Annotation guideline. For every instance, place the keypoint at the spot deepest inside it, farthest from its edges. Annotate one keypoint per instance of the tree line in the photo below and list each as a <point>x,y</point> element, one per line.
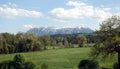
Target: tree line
<point>13,43</point>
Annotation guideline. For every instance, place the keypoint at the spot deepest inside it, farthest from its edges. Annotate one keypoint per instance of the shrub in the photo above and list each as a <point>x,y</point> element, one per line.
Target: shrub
<point>19,59</point>
<point>115,65</point>
<point>88,64</point>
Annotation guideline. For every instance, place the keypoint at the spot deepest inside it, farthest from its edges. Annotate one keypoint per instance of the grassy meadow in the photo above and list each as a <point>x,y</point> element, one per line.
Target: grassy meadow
<point>67,58</point>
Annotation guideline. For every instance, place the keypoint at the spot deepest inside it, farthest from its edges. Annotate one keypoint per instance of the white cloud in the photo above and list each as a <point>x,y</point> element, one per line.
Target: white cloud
<point>29,26</point>
<point>76,4</point>
<point>10,10</point>
<point>80,10</point>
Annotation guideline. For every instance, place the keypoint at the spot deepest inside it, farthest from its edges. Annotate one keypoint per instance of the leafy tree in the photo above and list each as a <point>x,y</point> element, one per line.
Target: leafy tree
<point>81,40</point>
<point>45,40</point>
<point>65,43</point>
<point>19,59</point>
<point>53,43</point>
<point>108,38</point>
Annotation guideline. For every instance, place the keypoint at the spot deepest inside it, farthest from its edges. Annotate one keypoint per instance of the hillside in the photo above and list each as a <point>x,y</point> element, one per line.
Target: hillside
<point>52,31</point>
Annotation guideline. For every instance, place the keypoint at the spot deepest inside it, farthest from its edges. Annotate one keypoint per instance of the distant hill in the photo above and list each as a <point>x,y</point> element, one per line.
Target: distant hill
<point>53,31</point>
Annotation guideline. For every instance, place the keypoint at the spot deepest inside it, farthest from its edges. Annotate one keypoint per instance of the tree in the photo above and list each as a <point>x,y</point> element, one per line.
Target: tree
<point>45,40</point>
<point>81,40</point>
<point>53,43</point>
<point>65,43</point>
<point>108,38</point>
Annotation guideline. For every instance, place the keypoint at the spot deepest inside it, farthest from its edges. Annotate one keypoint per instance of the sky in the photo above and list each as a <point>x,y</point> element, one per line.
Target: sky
<point>22,15</point>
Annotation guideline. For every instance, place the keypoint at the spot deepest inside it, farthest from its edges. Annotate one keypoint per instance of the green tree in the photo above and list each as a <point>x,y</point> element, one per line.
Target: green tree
<point>108,38</point>
<point>45,40</point>
<point>65,43</point>
<point>53,43</point>
<point>81,40</point>
<point>19,59</point>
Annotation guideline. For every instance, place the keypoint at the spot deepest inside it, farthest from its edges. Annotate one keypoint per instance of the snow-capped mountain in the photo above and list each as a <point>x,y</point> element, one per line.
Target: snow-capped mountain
<point>52,31</point>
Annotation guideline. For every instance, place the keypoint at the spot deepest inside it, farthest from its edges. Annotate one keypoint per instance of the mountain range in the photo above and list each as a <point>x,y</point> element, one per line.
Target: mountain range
<point>53,31</point>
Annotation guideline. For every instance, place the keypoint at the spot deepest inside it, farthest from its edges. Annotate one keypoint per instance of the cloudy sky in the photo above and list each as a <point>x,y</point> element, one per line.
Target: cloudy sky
<point>22,15</point>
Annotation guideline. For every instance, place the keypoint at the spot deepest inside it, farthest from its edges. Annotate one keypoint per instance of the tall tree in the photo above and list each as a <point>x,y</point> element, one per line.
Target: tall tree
<point>108,38</point>
<point>81,40</point>
<point>45,40</point>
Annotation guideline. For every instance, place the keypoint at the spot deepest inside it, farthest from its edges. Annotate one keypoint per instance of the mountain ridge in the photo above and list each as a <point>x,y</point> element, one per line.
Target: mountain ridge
<point>52,31</point>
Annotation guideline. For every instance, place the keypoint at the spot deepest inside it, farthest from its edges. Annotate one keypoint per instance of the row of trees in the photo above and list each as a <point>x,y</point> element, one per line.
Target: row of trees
<point>10,43</point>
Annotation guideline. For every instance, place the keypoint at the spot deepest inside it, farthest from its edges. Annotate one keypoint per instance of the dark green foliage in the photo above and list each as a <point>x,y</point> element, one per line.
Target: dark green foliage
<point>88,64</point>
<point>44,66</point>
<point>115,66</point>
<point>20,59</point>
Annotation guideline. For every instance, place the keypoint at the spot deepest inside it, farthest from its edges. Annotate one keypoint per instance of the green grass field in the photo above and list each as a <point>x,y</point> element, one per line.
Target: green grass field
<point>67,58</point>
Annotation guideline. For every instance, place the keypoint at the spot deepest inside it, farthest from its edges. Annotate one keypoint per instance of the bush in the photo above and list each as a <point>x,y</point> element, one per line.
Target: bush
<point>88,64</point>
<point>44,66</point>
<point>19,59</point>
<point>115,65</point>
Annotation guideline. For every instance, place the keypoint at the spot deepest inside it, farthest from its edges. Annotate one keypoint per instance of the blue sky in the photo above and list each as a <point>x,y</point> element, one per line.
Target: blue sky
<point>22,15</point>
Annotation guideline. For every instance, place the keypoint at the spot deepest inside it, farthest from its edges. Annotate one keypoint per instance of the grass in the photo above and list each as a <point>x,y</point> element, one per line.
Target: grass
<point>67,58</point>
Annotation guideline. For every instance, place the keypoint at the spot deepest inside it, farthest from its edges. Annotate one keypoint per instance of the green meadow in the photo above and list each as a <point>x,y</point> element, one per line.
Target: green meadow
<point>67,58</point>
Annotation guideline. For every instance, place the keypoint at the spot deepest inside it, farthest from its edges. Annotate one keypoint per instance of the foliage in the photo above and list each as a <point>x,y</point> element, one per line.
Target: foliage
<point>18,58</point>
<point>109,43</point>
<point>108,36</point>
<point>88,64</point>
<point>10,43</point>
<point>81,40</point>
